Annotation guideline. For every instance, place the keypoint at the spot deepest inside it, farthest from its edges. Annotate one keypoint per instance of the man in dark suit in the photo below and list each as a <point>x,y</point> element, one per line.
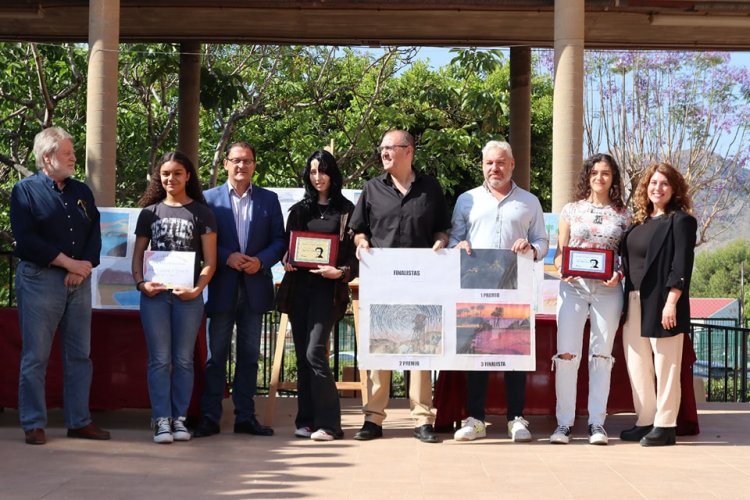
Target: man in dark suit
<point>250,241</point>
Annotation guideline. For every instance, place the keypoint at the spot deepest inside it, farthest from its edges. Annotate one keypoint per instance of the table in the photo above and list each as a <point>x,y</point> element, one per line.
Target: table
<point>118,354</point>
<point>450,390</point>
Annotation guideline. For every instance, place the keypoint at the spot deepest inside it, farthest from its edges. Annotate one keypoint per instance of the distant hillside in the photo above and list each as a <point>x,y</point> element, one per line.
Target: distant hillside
<point>740,229</point>
<point>722,229</point>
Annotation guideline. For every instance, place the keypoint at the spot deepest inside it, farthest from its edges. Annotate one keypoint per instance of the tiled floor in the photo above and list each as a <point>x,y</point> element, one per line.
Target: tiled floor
<point>715,464</point>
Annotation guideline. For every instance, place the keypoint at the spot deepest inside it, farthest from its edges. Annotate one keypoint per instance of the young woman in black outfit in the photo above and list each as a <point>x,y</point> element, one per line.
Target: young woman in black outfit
<point>315,299</point>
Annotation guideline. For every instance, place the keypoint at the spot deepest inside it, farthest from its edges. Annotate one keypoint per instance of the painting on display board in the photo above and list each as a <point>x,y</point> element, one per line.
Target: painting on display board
<point>427,310</point>
<point>112,285</point>
<point>550,278</point>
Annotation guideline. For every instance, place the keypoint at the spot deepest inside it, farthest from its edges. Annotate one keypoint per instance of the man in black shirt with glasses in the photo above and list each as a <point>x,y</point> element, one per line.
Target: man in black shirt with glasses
<point>402,208</point>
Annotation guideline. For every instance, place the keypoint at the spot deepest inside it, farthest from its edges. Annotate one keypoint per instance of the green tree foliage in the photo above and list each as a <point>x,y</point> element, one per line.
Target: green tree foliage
<point>40,86</point>
<point>286,100</point>
<point>146,114</point>
<point>717,273</point>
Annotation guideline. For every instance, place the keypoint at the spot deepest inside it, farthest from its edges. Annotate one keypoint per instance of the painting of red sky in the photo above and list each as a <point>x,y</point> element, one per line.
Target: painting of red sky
<point>500,329</point>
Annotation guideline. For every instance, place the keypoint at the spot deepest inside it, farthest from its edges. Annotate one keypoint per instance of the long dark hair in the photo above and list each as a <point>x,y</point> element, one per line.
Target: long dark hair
<point>326,165</point>
<point>155,191</point>
<point>583,189</point>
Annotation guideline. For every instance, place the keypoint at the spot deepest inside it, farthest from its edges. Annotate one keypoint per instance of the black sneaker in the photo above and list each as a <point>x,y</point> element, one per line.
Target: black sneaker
<point>561,435</point>
<point>597,434</point>
<point>163,431</point>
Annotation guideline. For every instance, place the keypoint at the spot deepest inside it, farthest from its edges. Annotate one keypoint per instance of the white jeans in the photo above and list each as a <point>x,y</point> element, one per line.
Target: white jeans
<point>577,301</point>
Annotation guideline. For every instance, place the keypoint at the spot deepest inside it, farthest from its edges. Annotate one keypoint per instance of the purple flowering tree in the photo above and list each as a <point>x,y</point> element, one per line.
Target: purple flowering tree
<point>690,109</point>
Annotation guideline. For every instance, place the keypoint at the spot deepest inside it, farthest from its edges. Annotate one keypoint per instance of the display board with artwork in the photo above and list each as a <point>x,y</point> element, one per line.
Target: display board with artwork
<point>426,310</point>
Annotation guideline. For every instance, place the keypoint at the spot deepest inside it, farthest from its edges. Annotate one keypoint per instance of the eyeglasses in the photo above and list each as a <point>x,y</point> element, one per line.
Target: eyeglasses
<point>240,161</point>
<point>391,148</point>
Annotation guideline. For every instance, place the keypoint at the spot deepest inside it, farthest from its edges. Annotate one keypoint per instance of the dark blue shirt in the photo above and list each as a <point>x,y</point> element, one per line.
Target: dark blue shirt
<point>46,221</point>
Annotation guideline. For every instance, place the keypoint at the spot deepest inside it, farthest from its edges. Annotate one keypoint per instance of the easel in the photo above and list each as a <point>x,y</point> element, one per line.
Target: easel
<point>278,358</point>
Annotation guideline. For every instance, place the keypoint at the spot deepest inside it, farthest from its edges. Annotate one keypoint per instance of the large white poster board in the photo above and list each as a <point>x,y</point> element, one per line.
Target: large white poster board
<point>446,310</point>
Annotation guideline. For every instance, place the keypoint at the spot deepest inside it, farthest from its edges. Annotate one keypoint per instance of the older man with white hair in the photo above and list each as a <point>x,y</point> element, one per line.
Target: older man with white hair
<point>55,223</point>
<point>498,214</point>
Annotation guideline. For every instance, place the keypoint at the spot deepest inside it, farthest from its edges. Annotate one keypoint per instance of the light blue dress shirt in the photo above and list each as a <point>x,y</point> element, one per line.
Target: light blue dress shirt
<point>488,223</point>
<point>242,209</point>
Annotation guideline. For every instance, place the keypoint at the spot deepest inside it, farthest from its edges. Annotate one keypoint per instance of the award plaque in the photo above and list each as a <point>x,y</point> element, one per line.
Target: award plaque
<point>313,249</point>
<point>587,263</point>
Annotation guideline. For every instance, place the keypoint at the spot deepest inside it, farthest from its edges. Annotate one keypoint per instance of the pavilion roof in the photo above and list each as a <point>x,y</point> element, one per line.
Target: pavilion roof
<point>609,23</point>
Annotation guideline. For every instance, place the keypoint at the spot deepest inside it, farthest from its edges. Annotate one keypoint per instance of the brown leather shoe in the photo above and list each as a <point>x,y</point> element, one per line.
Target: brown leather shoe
<point>35,436</point>
<point>90,431</point>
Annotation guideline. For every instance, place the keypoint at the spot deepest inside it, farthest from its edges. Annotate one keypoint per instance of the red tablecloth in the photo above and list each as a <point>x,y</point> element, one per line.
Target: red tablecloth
<point>118,354</point>
<point>450,390</point>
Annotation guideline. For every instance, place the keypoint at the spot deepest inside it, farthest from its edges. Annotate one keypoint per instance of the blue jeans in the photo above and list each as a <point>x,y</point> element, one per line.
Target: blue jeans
<point>171,327</point>
<point>44,305</point>
<point>220,329</point>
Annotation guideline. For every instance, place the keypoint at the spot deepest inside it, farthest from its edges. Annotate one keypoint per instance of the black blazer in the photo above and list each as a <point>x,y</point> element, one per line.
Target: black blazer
<point>669,264</point>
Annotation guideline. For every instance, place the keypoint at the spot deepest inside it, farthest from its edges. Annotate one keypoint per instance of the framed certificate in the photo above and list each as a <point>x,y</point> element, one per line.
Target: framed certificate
<point>587,263</point>
<point>313,249</point>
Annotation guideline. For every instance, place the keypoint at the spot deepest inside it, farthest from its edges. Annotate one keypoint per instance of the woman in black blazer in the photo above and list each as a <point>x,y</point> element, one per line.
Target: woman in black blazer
<point>657,252</point>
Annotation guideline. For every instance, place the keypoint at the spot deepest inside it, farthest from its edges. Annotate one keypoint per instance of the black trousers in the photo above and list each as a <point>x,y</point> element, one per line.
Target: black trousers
<point>312,318</point>
<point>476,393</point>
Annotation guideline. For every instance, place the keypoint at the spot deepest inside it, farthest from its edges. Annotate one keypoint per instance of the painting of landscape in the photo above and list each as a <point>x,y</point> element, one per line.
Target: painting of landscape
<point>489,268</point>
<point>114,226</point>
<point>115,286</point>
<point>496,329</point>
<point>406,329</point>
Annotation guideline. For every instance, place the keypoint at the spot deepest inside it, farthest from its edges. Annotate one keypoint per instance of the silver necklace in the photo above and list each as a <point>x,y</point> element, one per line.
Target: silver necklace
<point>322,212</point>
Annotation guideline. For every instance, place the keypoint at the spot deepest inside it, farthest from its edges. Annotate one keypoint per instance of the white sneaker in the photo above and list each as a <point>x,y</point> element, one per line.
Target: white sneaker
<point>303,432</point>
<point>597,434</point>
<point>163,431</point>
<point>322,435</point>
<point>472,429</point>
<point>179,431</point>
<point>518,430</point>
<point>561,435</point>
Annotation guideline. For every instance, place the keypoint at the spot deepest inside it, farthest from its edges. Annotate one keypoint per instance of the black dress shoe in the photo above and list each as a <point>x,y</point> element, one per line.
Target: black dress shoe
<point>369,431</point>
<point>253,427</point>
<point>635,433</point>
<point>426,434</point>
<point>207,428</point>
<point>660,436</point>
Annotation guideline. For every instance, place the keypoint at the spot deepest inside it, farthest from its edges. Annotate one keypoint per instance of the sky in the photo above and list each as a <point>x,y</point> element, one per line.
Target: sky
<point>440,56</point>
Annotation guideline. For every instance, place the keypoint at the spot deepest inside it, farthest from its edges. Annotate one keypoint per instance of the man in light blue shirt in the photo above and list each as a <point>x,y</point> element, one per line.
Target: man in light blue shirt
<point>499,215</point>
